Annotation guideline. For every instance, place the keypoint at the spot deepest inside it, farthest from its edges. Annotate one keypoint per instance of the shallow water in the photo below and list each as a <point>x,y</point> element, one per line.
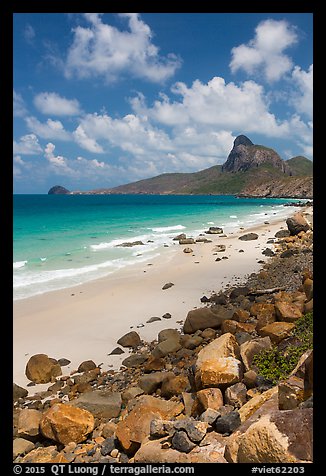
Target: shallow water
<point>65,240</point>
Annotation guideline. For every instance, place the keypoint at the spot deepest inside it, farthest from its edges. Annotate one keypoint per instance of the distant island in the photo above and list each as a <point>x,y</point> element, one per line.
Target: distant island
<point>250,170</point>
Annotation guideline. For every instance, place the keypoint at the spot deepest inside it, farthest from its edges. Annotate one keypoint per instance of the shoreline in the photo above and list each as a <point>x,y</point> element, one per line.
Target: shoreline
<point>32,280</point>
<point>85,321</point>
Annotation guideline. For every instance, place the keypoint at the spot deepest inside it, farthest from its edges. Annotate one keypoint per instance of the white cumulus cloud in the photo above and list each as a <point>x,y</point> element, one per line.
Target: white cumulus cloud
<point>54,104</point>
<point>49,130</point>
<point>27,145</point>
<point>86,142</point>
<point>302,99</point>
<point>54,160</point>
<point>220,105</point>
<point>131,134</point>
<point>265,52</point>
<point>103,50</point>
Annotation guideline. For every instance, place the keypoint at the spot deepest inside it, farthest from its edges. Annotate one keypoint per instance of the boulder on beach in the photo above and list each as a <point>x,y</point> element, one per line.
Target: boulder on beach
<point>117,351</point>
<point>99,403</point>
<point>248,237</point>
<point>224,371</point>
<point>200,319</point>
<point>129,244</point>
<point>226,424</point>
<point>87,377</point>
<point>42,369</point>
<point>182,236</point>
<point>202,239</point>
<point>268,252</point>
<point>187,241</point>
<point>220,248</point>
<point>166,347</point>
<point>64,423</point>
<point>135,428</point>
<point>29,422</point>
<point>63,362</point>
<point>264,312</point>
<point>236,395</point>
<point>165,334</point>
<point>210,398</point>
<point>249,349</point>
<point>297,223</point>
<point>214,230</point>
<point>134,360</point>
<point>153,319</point>
<point>48,454</point>
<point>308,288</point>
<point>149,383</point>
<point>167,286</point>
<point>19,392</point>
<point>290,393</point>
<point>224,346</point>
<point>286,311</point>
<point>277,331</point>
<point>175,385</point>
<point>283,436</point>
<point>131,339</point>
<point>153,451</point>
<point>86,365</point>
<point>167,315</point>
<point>21,446</point>
<point>217,363</point>
<point>282,234</point>
<point>239,291</point>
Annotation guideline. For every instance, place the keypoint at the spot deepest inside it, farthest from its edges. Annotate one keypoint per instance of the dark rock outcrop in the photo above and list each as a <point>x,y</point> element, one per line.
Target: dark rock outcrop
<point>58,190</point>
<point>245,155</point>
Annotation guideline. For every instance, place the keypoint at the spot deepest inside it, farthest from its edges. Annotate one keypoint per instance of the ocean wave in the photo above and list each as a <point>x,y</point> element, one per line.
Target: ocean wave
<point>19,264</point>
<point>113,243</point>
<point>233,216</point>
<point>162,229</point>
<point>33,277</point>
<point>39,282</point>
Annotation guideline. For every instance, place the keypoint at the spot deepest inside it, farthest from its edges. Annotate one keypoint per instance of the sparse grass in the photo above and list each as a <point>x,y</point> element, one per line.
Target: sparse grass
<point>300,166</point>
<point>276,365</point>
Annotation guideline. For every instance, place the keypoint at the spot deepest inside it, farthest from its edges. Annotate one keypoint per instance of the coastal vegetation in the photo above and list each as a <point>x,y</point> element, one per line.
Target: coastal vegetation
<point>276,364</point>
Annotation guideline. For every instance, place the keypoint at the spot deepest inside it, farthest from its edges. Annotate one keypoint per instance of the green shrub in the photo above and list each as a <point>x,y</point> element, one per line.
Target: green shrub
<point>276,365</point>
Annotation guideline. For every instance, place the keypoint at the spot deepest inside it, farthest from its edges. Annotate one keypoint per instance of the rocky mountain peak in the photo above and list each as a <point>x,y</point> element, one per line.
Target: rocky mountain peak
<point>241,140</point>
<point>246,155</point>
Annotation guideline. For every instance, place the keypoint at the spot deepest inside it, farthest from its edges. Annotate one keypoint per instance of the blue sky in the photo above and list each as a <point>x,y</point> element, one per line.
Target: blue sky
<point>106,99</point>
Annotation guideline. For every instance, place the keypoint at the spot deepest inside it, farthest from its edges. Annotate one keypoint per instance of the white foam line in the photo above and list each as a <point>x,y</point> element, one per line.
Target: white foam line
<point>19,264</point>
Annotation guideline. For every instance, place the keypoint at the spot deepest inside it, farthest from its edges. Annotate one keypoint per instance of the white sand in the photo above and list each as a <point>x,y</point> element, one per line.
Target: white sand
<point>88,324</point>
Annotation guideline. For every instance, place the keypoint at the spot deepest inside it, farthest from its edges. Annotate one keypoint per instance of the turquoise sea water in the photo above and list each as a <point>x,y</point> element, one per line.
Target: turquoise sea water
<point>65,240</point>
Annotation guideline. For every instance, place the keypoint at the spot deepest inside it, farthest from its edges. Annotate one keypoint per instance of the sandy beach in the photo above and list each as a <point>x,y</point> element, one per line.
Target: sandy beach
<point>85,322</point>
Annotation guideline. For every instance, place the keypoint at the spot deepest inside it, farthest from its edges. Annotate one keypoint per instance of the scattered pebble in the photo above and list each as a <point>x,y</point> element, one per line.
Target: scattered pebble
<point>168,285</point>
<point>167,315</point>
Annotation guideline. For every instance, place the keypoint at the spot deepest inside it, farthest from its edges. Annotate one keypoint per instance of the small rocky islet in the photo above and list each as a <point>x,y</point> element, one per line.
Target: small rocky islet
<point>210,391</point>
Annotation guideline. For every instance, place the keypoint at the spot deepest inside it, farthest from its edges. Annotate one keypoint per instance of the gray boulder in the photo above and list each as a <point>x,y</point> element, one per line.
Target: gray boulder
<point>297,223</point>
<point>248,237</point>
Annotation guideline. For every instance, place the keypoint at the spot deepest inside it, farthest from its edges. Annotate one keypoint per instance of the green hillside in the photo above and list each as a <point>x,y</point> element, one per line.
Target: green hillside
<point>251,170</point>
<point>300,166</point>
